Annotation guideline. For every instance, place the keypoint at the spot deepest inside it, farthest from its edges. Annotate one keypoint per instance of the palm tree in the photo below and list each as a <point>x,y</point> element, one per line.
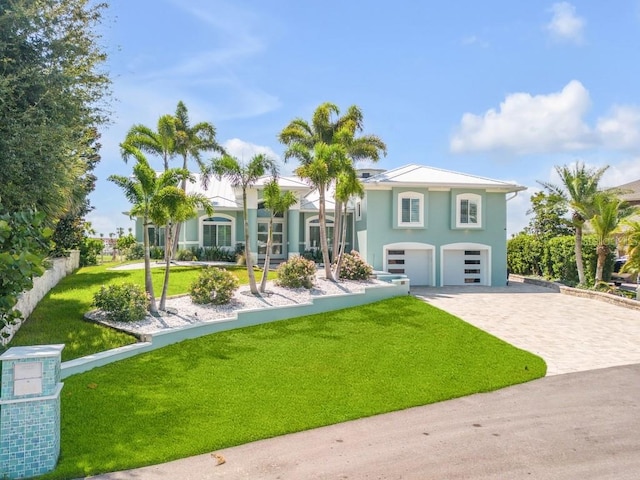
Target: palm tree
<point>327,126</point>
<point>244,177</point>
<point>319,166</point>
<point>578,189</point>
<point>191,141</point>
<point>276,202</point>
<point>631,240</point>
<point>144,190</point>
<point>171,206</point>
<point>161,142</point>
<point>347,185</point>
<point>609,210</point>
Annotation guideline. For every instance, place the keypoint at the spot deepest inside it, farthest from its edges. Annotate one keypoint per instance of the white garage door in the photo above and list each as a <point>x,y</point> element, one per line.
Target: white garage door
<point>414,263</point>
<point>465,267</point>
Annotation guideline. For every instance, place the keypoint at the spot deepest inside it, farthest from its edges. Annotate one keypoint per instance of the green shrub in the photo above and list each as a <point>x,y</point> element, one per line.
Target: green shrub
<point>156,253</point>
<point>122,303</point>
<point>186,255</point>
<point>213,254</point>
<point>134,252</point>
<point>214,285</point>
<point>90,248</point>
<point>296,272</point>
<point>524,255</point>
<point>354,267</point>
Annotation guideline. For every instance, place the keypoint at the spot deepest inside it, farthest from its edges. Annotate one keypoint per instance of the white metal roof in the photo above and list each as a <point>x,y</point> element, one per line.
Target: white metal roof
<point>423,176</point>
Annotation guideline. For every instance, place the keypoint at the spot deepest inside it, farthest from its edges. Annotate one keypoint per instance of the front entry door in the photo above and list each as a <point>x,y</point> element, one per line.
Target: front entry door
<point>278,241</point>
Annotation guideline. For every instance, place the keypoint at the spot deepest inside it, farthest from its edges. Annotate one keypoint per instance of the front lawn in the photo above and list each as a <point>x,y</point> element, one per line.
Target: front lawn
<point>243,385</point>
<point>59,317</point>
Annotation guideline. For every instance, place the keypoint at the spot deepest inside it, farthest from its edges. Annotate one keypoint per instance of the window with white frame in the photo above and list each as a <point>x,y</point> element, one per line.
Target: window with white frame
<point>313,232</point>
<point>217,231</point>
<point>410,209</point>
<point>156,236</point>
<point>468,210</point>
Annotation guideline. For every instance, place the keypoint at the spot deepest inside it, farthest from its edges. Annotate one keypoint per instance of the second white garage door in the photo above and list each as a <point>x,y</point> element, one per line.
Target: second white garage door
<point>465,266</point>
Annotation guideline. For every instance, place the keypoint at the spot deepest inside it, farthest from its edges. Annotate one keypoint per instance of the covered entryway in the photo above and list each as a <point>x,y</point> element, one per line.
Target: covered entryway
<point>278,238</point>
<point>415,260</point>
<point>466,264</point>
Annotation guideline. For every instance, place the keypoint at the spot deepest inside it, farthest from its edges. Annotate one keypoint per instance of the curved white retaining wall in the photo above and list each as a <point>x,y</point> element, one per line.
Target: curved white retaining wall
<point>27,302</point>
<point>244,318</point>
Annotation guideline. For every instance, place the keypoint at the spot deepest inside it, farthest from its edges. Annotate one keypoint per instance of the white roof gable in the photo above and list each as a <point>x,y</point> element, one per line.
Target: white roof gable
<point>423,176</point>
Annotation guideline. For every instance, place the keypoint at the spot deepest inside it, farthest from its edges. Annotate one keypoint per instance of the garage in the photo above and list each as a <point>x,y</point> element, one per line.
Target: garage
<point>466,264</point>
<point>415,260</point>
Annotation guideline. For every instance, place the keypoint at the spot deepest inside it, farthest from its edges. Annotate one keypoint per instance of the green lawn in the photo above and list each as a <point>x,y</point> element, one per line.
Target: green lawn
<point>239,386</point>
<point>59,317</point>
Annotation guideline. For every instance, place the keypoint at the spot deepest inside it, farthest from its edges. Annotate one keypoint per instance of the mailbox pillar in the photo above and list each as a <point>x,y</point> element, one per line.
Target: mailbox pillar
<point>30,411</point>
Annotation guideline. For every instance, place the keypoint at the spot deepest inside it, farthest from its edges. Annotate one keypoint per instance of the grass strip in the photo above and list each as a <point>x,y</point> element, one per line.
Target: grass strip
<point>244,385</point>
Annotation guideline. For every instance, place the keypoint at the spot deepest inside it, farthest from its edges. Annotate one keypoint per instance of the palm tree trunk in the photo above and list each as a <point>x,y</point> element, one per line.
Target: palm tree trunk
<point>176,239</point>
<point>247,249</point>
<point>267,256</point>
<point>323,235</point>
<point>343,242</point>
<point>578,251</point>
<point>602,251</point>
<point>148,283</point>
<point>167,269</point>
<point>337,221</point>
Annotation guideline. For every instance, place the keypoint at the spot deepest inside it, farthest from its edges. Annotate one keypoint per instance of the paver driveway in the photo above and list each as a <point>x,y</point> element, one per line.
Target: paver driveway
<point>571,334</point>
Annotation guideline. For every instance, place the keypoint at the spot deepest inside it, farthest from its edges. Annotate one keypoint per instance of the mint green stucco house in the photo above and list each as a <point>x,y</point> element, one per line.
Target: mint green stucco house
<point>435,226</point>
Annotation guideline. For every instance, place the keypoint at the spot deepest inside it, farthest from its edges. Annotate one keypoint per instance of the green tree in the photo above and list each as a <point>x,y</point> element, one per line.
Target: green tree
<point>161,142</point>
<point>145,190</point>
<point>24,243</point>
<point>631,240</point>
<point>609,210</point>
<point>172,206</point>
<point>319,166</point>
<point>348,185</point>
<point>54,94</point>
<point>277,202</point>
<point>244,177</point>
<point>191,141</point>
<point>548,220</point>
<point>579,188</point>
<point>328,127</point>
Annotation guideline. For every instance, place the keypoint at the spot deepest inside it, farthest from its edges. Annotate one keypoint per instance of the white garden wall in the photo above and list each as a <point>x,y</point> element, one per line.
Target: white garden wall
<point>27,301</point>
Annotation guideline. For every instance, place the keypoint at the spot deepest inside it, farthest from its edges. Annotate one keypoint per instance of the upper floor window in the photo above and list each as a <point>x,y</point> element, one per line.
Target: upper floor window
<point>410,209</point>
<point>468,210</point>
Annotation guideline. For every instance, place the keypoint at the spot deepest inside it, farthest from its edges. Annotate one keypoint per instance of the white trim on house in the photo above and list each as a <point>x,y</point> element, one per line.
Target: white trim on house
<point>474,205</point>
<point>203,219</point>
<point>307,231</point>
<point>419,221</point>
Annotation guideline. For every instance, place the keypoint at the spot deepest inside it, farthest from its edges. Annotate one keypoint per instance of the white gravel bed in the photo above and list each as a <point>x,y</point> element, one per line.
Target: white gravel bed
<point>182,311</point>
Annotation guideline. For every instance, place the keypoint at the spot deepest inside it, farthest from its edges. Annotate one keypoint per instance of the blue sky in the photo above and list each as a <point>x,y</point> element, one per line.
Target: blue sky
<point>501,89</point>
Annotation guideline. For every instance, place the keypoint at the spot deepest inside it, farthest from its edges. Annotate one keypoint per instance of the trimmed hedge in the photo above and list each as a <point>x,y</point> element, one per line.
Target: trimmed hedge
<point>555,260</point>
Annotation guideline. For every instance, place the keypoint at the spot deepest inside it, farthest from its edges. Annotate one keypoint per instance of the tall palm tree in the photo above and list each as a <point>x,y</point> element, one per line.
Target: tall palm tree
<point>579,188</point>
<point>190,142</point>
<point>144,190</point>
<point>161,142</point>
<point>171,206</point>
<point>277,202</point>
<point>347,185</point>
<point>319,166</point>
<point>328,127</point>
<point>244,177</point>
<point>609,211</point>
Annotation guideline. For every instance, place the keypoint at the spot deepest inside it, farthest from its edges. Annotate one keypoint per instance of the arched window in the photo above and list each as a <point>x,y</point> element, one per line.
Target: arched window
<point>217,231</point>
<point>313,232</point>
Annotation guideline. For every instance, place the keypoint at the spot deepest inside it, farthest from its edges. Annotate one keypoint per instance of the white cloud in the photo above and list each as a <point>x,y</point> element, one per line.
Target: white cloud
<point>474,40</point>
<point>621,172</point>
<point>565,24</point>
<point>244,151</point>
<point>528,124</point>
<point>621,128</point>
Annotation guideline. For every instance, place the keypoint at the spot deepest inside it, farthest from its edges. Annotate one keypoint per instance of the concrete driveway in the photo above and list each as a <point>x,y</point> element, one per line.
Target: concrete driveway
<point>571,334</point>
